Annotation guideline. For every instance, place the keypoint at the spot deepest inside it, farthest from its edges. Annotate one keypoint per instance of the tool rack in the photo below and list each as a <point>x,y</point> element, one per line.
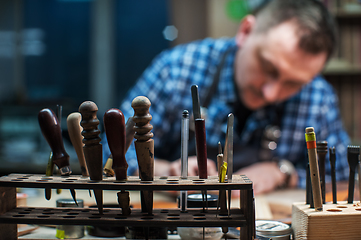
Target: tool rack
<point>10,215</point>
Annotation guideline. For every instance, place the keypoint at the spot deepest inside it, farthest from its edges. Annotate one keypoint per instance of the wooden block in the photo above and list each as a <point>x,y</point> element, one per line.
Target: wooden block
<point>336,221</point>
<point>7,203</point>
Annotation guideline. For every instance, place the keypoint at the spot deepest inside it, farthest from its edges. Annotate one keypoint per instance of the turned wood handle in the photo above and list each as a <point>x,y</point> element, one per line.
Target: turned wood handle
<point>142,118</point>
<point>74,130</point>
<point>51,130</point>
<point>114,126</point>
<point>92,147</point>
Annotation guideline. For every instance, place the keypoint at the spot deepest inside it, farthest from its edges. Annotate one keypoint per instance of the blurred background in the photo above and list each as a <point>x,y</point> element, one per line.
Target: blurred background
<point>69,51</point>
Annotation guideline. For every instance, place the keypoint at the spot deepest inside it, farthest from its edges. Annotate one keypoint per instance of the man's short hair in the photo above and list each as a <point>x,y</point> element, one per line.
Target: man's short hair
<point>316,26</point>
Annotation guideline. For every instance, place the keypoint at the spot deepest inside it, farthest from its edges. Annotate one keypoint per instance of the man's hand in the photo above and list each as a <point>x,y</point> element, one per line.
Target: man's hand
<point>265,176</point>
<point>175,167</point>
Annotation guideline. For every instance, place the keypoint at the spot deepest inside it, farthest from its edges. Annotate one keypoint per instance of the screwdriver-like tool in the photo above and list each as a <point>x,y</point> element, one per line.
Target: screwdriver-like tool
<point>74,130</point>
<point>201,143</point>
<point>49,172</point>
<point>321,154</point>
<point>353,153</point>
<point>114,126</point>
<point>314,172</point>
<point>184,157</point>
<point>59,114</point>
<point>309,196</point>
<point>92,147</point>
<point>51,129</point>
<point>332,156</point>
<point>222,171</point>
<point>129,137</point>
<point>228,155</point>
<point>144,146</point>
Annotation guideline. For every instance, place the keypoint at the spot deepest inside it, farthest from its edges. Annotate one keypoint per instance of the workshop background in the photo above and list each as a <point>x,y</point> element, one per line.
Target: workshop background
<point>68,51</point>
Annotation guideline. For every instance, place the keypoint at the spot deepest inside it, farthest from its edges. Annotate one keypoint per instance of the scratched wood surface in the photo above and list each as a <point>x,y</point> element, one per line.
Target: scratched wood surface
<point>176,183</point>
<point>336,221</point>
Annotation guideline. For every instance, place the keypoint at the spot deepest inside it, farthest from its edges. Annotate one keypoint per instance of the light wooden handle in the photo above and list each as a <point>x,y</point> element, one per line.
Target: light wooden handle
<point>74,130</point>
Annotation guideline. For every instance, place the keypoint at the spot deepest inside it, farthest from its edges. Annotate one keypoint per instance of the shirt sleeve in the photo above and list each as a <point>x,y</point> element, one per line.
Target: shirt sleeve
<point>156,85</point>
<point>331,129</point>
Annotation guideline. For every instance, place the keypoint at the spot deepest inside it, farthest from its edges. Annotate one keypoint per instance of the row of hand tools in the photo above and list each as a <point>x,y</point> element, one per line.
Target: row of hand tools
<point>315,180</point>
<point>84,135</point>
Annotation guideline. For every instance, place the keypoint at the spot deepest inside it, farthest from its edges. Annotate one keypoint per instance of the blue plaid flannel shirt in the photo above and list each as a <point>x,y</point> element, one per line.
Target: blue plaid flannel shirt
<point>167,83</point>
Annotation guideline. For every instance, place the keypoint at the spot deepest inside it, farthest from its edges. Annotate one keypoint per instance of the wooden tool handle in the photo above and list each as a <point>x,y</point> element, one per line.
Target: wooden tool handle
<point>144,145</point>
<point>142,118</point>
<point>51,130</point>
<point>201,147</point>
<point>74,130</point>
<point>92,148</point>
<point>314,172</point>
<point>114,126</point>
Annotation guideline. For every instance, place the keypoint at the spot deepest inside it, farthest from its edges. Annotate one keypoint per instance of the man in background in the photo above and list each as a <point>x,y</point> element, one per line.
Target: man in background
<point>267,76</point>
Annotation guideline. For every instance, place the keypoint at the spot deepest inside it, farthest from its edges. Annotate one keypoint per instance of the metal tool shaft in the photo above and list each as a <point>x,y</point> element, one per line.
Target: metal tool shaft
<point>353,153</point>
<point>332,156</point>
<point>321,154</point>
<point>184,156</point>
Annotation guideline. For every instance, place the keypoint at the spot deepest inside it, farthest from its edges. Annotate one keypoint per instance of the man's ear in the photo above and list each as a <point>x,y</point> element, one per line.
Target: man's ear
<point>245,28</point>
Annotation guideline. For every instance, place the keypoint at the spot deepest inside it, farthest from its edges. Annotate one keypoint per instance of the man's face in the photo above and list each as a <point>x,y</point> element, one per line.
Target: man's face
<point>270,67</point>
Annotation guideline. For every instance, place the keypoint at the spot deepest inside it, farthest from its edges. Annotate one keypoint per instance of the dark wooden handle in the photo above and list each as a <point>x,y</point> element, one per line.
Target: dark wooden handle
<point>51,130</point>
<point>201,145</point>
<point>114,126</point>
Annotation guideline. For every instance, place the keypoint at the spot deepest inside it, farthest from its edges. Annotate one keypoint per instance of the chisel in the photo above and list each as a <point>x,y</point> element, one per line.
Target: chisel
<point>353,153</point>
<point>92,147</point>
<point>228,155</point>
<point>332,155</point>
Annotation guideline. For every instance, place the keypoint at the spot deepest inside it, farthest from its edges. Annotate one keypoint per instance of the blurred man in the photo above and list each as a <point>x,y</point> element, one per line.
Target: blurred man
<point>268,77</point>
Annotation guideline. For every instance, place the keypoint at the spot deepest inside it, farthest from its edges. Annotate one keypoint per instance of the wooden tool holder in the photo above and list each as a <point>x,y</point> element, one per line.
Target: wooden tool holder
<point>11,215</point>
<point>335,221</point>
